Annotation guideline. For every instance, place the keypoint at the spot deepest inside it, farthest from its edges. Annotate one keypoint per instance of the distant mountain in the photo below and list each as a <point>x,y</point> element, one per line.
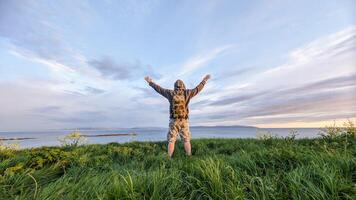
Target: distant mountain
<point>235,126</point>
<point>155,127</point>
<point>147,127</point>
<point>93,128</point>
<point>110,128</point>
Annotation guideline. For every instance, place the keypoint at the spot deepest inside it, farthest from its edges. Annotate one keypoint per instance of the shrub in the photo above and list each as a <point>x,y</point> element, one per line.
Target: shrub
<point>73,139</point>
<point>265,135</point>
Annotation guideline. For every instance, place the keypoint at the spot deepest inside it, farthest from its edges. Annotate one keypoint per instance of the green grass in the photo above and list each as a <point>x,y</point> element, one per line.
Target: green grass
<point>272,168</point>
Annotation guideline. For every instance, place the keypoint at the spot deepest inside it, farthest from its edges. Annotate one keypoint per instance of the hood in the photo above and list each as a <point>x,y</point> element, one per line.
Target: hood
<point>179,84</point>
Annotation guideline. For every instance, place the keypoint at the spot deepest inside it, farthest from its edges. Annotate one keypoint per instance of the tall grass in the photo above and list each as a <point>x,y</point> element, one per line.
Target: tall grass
<point>266,168</point>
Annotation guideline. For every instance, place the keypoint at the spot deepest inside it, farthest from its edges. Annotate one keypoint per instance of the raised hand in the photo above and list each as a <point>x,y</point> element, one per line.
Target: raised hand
<point>148,79</point>
<point>207,77</point>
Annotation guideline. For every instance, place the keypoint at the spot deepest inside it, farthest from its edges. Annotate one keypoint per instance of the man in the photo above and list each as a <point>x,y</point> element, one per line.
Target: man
<point>178,99</point>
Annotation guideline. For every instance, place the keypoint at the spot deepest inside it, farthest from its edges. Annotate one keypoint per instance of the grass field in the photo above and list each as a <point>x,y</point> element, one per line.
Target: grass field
<point>266,168</point>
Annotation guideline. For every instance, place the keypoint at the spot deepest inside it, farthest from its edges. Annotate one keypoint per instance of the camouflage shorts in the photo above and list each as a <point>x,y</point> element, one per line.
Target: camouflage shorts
<point>178,126</point>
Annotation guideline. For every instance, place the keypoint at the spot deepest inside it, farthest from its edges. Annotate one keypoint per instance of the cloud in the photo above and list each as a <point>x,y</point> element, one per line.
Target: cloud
<point>326,84</point>
<point>111,69</point>
<point>342,42</point>
<point>34,31</point>
<point>146,92</point>
<point>148,70</point>
<point>325,57</point>
<point>81,117</point>
<point>33,34</point>
<point>63,116</point>
<point>46,109</point>
<point>93,90</point>
<point>318,81</point>
<point>238,98</point>
<point>330,84</point>
<point>21,100</point>
<point>201,60</point>
<point>233,73</point>
<point>324,105</point>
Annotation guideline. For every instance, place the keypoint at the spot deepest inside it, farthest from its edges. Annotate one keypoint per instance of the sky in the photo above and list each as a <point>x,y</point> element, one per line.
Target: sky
<point>71,64</point>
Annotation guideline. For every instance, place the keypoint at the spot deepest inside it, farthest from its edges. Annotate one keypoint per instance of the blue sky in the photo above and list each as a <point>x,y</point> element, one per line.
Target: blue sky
<point>66,64</point>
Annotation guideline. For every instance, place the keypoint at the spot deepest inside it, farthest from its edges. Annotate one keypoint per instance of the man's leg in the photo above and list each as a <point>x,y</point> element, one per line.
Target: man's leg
<point>188,148</point>
<point>170,148</point>
<point>172,136</point>
<point>185,135</point>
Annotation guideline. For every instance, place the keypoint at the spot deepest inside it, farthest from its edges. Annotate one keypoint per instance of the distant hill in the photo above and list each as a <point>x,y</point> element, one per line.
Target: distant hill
<point>147,127</point>
<point>156,127</point>
<point>235,126</point>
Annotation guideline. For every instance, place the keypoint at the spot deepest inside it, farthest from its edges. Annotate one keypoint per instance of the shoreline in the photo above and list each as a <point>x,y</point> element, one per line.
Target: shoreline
<point>96,135</point>
<point>20,139</point>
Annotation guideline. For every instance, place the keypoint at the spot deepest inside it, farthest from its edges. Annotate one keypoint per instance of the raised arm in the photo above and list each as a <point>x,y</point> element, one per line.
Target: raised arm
<point>164,92</point>
<point>199,87</point>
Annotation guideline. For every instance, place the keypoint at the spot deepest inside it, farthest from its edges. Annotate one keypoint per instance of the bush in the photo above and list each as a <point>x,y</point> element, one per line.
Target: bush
<point>73,139</point>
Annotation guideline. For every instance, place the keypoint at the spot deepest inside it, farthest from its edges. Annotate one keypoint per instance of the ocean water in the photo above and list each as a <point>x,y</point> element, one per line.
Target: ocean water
<point>50,138</point>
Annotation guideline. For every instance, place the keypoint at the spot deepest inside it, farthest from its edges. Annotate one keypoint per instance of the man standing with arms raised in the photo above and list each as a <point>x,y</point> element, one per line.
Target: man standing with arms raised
<point>178,110</point>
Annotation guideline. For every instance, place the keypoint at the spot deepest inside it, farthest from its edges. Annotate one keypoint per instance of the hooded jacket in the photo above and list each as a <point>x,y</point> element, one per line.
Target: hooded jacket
<point>178,98</point>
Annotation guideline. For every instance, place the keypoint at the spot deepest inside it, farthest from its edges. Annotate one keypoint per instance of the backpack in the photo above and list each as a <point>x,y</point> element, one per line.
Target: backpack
<point>179,109</point>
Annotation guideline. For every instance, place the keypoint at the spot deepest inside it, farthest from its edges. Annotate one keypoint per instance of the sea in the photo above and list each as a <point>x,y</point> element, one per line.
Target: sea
<point>52,137</point>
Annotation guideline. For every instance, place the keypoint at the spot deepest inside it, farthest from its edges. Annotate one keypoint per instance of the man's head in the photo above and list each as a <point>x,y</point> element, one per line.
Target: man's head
<point>179,85</point>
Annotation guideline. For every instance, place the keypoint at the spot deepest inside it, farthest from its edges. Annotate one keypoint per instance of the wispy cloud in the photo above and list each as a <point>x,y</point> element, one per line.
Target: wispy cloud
<point>31,56</point>
<point>111,69</point>
<point>233,73</point>
<point>330,85</point>
<point>35,36</point>
<point>40,38</point>
<point>325,57</point>
<point>93,90</point>
<point>319,81</point>
<point>46,109</point>
<point>202,60</point>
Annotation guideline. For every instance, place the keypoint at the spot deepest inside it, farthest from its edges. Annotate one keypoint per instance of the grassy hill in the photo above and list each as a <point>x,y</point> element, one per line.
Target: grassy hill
<point>266,168</point>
